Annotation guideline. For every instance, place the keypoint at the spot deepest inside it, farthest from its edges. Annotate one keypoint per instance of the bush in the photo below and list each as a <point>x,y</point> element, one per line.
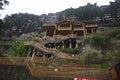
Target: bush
<point>117,36</point>
<point>70,50</point>
<point>95,60</point>
<point>86,39</point>
<point>102,65</point>
<point>18,49</point>
<point>97,40</point>
<point>114,33</point>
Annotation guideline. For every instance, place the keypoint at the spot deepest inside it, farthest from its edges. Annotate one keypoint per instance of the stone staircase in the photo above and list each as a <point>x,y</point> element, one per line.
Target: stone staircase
<point>54,51</point>
<point>42,60</point>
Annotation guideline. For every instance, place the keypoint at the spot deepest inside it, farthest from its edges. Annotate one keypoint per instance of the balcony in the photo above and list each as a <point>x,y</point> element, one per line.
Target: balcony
<point>49,24</point>
<point>92,25</point>
<point>78,28</point>
<point>64,28</point>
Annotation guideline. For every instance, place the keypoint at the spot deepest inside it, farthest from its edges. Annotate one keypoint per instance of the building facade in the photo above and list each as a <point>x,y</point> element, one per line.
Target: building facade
<point>65,33</point>
<point>69,28</point>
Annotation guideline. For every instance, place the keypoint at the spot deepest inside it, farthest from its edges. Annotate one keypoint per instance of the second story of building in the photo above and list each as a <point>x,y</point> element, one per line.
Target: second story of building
<point>67,27</point>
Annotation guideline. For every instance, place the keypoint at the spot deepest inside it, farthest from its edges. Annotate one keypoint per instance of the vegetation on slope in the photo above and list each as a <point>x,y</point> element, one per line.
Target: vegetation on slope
<point>18,50</point>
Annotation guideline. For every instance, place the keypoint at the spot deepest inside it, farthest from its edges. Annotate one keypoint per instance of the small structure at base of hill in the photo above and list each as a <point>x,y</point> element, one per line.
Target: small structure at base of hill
<point>115,71</point>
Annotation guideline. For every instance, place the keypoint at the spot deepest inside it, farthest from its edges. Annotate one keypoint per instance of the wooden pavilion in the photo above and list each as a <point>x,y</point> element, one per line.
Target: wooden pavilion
<point>69,27</point>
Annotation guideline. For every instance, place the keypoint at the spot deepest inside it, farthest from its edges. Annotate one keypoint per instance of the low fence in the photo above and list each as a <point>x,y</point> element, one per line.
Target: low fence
<point>13,60</point>
<point>44,60</point>
<point>72,72</point>
<point>69,72</point>
<point>65,72</point>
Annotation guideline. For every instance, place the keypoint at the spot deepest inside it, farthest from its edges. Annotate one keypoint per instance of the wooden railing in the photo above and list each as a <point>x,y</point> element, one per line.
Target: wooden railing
<point>91,25</point>
<point>58,53</point>
<point>44,60</point>
<point>65,55</point>
<point>65,72</point>
<point>69,72</point>
<point>13,60</point>
<point>31,66</point>
<point>55,51</point>
<point>65,28</point>
<point>78,28</point>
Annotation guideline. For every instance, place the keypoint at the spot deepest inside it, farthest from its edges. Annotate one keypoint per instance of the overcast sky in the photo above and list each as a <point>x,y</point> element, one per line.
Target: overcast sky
<point>39,7</point>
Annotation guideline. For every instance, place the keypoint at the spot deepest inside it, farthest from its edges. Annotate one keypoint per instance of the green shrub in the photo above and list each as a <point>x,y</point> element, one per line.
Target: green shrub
<point>86,39</point>
<point>97,40</point>
<point>70,50</point>
<point>114,33</point>
<point>117,36</point>
<point>95,60</point>
<point>102,65</point>
<point>18,49</point>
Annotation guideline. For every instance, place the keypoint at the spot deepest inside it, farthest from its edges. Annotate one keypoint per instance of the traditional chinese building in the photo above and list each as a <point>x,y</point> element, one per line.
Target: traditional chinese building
<point>66,32</point>
<point>69,27</point>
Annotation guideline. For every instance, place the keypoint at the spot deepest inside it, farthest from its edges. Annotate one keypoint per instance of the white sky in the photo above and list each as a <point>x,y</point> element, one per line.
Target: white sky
<point>39,7</point>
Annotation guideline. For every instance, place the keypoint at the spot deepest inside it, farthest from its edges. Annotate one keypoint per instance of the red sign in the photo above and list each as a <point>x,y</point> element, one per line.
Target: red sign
<point>85,79</point>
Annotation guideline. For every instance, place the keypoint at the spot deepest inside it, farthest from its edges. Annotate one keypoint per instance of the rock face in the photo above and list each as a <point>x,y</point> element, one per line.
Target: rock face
<point>8,72</point>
